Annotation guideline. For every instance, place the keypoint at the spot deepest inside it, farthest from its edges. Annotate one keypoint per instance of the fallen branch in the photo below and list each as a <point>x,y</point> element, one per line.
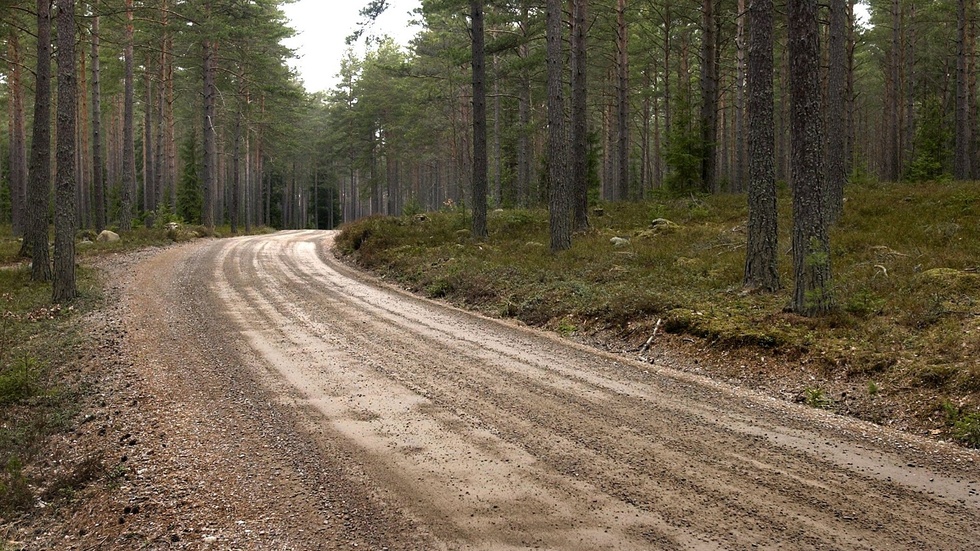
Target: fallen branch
<point>646,345</point>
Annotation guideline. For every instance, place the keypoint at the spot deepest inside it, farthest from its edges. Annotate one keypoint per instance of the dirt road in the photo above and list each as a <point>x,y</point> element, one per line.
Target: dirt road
<point>319,408</point>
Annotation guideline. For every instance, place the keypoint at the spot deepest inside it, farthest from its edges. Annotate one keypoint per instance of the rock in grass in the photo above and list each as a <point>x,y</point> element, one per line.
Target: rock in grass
<point>108,237</point>
<point>662,225</point>
<point>619,241</point>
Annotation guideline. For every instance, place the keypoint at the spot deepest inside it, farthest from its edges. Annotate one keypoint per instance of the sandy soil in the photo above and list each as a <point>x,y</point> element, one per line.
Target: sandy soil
<point>277,399</point>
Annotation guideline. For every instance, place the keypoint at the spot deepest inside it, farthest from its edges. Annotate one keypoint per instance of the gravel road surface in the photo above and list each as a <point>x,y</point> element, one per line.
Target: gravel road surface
<point>299,404</point>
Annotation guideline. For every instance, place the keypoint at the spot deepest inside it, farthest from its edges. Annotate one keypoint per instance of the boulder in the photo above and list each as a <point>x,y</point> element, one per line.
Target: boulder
<point>108,237</point>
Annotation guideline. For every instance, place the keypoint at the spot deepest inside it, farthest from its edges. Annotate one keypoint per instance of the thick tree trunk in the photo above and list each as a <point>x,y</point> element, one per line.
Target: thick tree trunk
<point>560,201</point>
<point>479,123</point>
<point>18,136</point>
<point>811,244</point>
<point>622,102</point>
<point>837,109</point>
<point>98,179</point>
<point>63,288</point>
<point>39,177</point>
<point>580,119</point>
<point>761,252</point>
<point>129,137</point>
<point>709,95</point>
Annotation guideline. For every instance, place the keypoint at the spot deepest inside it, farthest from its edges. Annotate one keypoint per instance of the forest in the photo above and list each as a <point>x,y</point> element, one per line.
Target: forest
<point>166,110</point>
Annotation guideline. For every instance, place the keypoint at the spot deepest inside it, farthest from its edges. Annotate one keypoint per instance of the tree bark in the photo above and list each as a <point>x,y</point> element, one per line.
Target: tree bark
<point>65,218</point>
<point>961,160</point>
<point>210,137</point>
<point>39,175</point>
<point>149,176</point>
<point>811,244</point>
<point>622,102</point>
<point>98,179</point>
<point>18,136</point>
<point>560,202</point>
<point>837,109</point>
<point>709,96</point>
<point>479,123</point>
<point>129,136</point>
<point>761,256</point>
<point>580,120</point>
<point>738,178</point>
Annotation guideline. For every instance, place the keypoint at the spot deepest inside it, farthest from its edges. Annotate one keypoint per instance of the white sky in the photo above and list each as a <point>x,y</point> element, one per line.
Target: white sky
<point>322,27</point>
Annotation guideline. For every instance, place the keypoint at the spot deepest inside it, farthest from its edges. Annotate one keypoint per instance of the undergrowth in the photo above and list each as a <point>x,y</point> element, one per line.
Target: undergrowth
<point>905,260</point>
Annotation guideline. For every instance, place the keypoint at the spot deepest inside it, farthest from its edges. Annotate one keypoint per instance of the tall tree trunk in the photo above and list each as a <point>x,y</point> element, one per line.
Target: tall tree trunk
<point>837,109</point>
<point>236,161</point>
<point>524,143</point>
<point>149,177</point>
<point>622,101</point>
<point>210,135</point>
<point>479,123</point>
<point>893,99</point>
<point>560,200</point>
<point>761,252</point>
<point>65,216</point>
<point>709,95</point>
<point>811,244</point>
<point>39,176</point>
<point>738,178</point>
<point>961,160</point>
<point>82,155</point>
<point>580,118</point>
<point>18,136</point>
<point>129,137</point>
<point>98,179</point>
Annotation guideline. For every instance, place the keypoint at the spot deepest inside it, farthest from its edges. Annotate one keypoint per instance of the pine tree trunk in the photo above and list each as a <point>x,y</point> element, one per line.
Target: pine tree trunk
<point>83,158</point>
<point>622,102</point>
<point>761,256</point>
<point>149,177</point>
<point>236,161</point>
<point>580,120</point>
<point>210,145</point>
<point>837,109</point>
<point>63,288</point>
<point>560,201</point>
<point>738,178</point>
<point>893,158</point>
<point>709,96</point>
<point>18,136</point>
<point>129,136</point>
<point>38,199</point>
<point>811,245</point>
<point>961,160</point>
<point>479,123</point>
<point>98,178</point>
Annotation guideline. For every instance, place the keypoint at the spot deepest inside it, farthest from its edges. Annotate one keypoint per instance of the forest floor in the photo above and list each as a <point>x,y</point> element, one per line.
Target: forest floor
<point>256,393</point>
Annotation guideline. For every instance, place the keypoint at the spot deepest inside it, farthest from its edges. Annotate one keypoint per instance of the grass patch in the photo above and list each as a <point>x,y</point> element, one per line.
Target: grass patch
<point>905,263</point>
<point>37,399</point>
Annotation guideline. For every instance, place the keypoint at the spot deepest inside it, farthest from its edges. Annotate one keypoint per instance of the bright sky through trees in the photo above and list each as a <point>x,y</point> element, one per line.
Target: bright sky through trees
<point>322,28</point>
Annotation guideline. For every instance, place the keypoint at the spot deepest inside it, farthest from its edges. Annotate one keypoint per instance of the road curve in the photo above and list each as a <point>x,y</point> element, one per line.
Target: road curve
<point>492,436</point>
